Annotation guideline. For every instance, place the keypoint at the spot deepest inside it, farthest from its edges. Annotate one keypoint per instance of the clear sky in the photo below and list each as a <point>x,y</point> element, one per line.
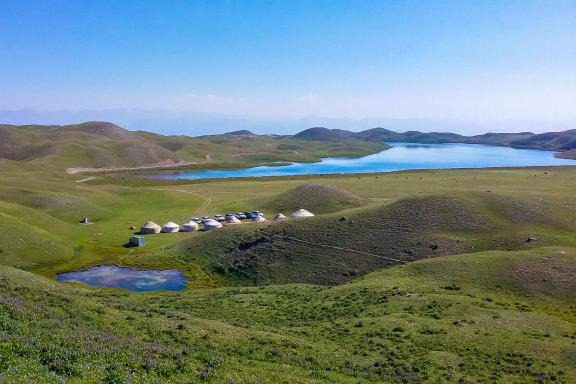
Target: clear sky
<point>470,60</point>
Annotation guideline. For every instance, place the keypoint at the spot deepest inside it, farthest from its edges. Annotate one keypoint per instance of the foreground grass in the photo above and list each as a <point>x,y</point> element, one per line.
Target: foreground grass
<point>467,318</point>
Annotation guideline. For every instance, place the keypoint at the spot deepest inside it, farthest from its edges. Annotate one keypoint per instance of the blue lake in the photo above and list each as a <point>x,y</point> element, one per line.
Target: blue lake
<point>135,280</point>
<point>402,156</point>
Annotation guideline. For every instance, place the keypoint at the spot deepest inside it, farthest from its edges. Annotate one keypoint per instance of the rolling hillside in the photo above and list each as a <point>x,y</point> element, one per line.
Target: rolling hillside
<point>556,141</point>
<point>491,317</point>
<point>94,146</point>
<point>484,292</point>
<point>564,141</point>
<point>91,144</point>
<point>332,249</point>
<point>381,134</point>
<point>317,198</point>
<point>101,146</point>
<point>322,134</point>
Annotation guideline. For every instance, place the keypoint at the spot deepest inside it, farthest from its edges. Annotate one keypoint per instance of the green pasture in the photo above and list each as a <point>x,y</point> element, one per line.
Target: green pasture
<point>497,305</point>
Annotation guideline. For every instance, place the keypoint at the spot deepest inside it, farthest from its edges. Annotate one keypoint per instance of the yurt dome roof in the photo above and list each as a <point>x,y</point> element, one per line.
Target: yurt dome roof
<point>302,213</point>
<point>212,223</point>
<point>150,225</point>
<point>191,224</point>
<point>259,219</point>
<point>279,217</point>
<point>171,225</point>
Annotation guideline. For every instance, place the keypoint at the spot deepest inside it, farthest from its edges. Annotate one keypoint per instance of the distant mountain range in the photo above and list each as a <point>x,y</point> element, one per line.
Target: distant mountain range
<point>563,142</point>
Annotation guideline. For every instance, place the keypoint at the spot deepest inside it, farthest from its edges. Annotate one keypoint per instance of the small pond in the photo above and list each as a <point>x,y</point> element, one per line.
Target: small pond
<point>135,280</point>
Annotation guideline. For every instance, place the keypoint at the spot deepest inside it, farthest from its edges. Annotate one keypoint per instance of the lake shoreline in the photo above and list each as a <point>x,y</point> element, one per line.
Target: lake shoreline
<point>400,157</point>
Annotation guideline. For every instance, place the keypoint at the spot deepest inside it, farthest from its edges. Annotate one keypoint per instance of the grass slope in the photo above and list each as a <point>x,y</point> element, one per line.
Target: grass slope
<point>335,248</point>
<point>558,141</point>
<point>466,318</point>
<point>564,141</point>
<point>317,198</point>
<point>494,308</point>
<point>112,146</point>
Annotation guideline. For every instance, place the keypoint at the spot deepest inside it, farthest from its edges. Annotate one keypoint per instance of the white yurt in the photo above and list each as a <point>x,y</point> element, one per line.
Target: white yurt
<point>279,217</point>
<point>302,213</point>
<point>259,219</point>
<point>233,220</point>
<point>150,228</point>
<point>170,227</point>
<point>211,224</point>
<point>190,226</point>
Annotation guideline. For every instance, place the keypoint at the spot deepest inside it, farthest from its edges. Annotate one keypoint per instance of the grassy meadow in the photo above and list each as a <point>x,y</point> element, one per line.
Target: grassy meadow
<point>484,289</point>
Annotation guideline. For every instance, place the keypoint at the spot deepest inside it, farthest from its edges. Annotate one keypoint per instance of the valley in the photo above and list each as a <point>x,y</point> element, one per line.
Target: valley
<point>439,275</point>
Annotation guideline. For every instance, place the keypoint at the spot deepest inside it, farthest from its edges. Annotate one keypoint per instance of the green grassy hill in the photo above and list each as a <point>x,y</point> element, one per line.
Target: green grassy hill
<point>564,141</point>
<point>480,317</point>
<point>322,134</point>
<point>317,198</point>
<point>64,147</point>
<point>335,248</point>
<point>487,293</point>
<point>505,139</point>
<point>111,146</point>
<point>556,141</point>
<point>381,134</point>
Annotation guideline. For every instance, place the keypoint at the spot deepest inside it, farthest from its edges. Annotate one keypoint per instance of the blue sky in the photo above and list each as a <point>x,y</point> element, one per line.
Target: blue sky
<point>470,60</point>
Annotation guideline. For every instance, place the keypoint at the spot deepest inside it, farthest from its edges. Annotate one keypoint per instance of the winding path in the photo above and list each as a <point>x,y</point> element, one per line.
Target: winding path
<point>207,200</point>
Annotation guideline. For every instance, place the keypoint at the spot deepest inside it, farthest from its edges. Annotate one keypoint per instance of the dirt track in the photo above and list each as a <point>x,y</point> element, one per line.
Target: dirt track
<point>164,164</point>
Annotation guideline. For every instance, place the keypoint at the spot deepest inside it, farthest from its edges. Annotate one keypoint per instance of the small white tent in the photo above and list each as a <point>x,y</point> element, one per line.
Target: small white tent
<point>150,228</point>
<point>279,217</point>
<point>302,213</point>
<point>211,224</point>
<point>259,219</point>
<point>170,227</point>
<point>190,226</point>
<point>233,220</point>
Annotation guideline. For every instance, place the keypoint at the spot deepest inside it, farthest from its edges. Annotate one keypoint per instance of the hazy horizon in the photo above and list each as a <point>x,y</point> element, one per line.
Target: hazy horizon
<point>278,67</point>
<point>197,124</point>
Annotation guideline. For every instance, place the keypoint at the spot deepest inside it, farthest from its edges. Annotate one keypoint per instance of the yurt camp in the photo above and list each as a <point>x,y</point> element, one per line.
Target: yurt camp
<point>232,220</point>
<point>302,213</point>
<point>279,217</point>
<point>150,228</point>
<point>211,224</point>
<point>170,227</point>
<point>190,226</point>
<point>259,219</point>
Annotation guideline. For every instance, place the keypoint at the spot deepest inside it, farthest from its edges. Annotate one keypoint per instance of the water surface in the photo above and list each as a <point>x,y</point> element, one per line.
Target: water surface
<point>402,156</point>
<point>135,280</point>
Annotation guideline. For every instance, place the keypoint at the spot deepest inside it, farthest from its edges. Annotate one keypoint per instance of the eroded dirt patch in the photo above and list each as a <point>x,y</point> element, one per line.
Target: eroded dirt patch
<point>551,274</point>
